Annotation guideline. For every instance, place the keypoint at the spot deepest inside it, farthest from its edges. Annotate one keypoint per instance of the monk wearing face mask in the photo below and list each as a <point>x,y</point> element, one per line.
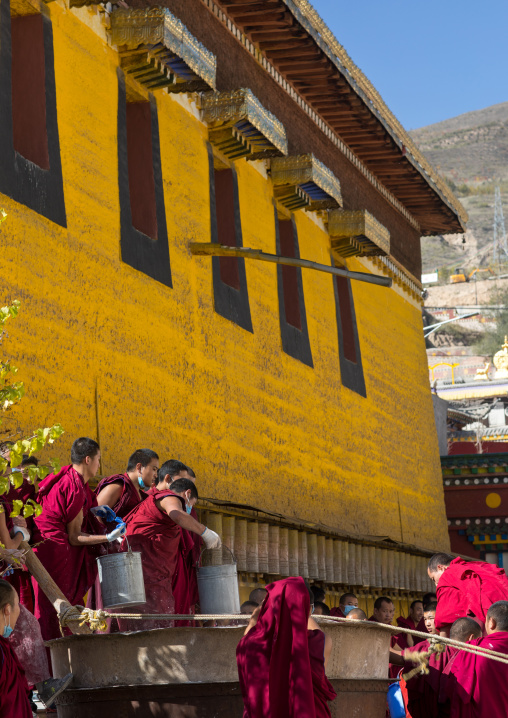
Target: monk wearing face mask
<point>185,580</point>
<point>153,529</point>
<point>347,602</point>
<point>14,701</point>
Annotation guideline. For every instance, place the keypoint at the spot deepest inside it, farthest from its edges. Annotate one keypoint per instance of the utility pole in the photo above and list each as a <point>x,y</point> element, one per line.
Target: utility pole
<point>500,243</point>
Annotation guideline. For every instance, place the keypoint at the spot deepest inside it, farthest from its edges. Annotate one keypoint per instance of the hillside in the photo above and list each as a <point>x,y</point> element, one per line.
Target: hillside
<point>471,152</point>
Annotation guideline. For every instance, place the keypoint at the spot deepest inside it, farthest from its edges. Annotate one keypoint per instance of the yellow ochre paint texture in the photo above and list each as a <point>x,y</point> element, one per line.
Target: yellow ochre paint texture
<point>257,426</point>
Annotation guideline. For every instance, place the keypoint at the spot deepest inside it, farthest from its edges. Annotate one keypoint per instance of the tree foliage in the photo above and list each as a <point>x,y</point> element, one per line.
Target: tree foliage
<point>11,393</point>
<point>493,339</point>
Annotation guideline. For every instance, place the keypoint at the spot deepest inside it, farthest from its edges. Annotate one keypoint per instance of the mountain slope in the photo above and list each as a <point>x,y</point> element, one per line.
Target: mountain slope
<point>471,152</point>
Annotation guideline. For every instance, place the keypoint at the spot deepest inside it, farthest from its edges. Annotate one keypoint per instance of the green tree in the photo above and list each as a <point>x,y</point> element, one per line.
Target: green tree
<point>11,393</point>
<point>492,340</point>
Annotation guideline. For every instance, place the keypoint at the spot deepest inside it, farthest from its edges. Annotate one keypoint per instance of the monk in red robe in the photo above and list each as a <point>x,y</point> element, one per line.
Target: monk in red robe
<point>478,685</point>
<point>347,602</point>
<point>11,537</point>
<point>26,490</point>
<point>169,471</point>
<point>414,621</point>
<point>465,588</point>
<point>14,692</point>
<point>20,579</point>
<point>185,582</point>
<point>384,611</point>
<point>427,692</point>
<point>153,529</point>
<point>282,657</point>
<point>66,500</point>
<point>123,492</point>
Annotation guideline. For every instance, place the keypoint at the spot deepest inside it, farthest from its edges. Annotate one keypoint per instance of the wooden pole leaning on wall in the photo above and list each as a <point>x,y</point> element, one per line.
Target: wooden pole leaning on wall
<point>53,593</point>
<point>212,249</point>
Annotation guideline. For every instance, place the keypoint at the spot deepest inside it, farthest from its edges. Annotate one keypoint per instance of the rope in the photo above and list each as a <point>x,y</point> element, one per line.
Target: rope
<point>421,658</point>
<point>96,619</point>
<point>478,650</point>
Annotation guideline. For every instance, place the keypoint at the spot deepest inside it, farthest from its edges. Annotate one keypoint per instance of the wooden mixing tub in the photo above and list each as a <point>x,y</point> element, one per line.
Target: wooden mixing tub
<point>191,673</point>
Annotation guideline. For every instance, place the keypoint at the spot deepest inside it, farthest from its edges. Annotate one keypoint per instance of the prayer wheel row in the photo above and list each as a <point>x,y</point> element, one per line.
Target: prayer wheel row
<point>273,549</point>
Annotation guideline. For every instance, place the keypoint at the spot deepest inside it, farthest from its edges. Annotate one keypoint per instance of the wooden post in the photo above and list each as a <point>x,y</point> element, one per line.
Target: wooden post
<point>53,593</point>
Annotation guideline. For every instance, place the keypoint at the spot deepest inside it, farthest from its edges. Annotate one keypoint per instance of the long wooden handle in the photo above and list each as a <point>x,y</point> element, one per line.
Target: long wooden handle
<point>52,591</point>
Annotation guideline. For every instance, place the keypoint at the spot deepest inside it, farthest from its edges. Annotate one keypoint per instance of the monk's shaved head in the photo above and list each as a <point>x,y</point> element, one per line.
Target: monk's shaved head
<point>429,617</point>
<point>463,629</point>
<point>7,594</point>
<point>348,599</point>
<point>258,595</point>
<point>497,617</point>
<point>382,599</point>
<point>321,609</point>
<point>180,486</point>
<point>318,592</point>
<point>248,607</point>
<point>356,614</point>
<point>384,610</point>
<point>416,611</point>
<point>440,559</point>
<point>428,598</point>
<point>438,565</point>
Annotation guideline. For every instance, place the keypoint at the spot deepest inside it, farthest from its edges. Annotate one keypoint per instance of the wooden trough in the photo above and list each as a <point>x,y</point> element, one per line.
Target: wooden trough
<point>191,673</point>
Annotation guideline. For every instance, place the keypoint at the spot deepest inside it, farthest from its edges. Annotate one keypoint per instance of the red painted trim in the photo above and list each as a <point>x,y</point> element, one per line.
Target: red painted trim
<point>140,163</point>
<point>225,208</point>
<point>289,275</point>
<point>346,318</point>
<point>29,90</point>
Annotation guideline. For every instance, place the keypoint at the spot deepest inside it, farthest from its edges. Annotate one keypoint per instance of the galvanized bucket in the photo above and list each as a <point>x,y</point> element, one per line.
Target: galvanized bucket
<point>121,579</point>
<point>218,588</point>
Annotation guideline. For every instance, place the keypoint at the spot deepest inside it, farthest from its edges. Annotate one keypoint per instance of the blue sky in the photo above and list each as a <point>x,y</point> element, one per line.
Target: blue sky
<point>429,59</point>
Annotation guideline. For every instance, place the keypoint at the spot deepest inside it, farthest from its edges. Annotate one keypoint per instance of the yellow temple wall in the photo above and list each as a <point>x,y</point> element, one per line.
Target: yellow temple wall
<point>109,352</point>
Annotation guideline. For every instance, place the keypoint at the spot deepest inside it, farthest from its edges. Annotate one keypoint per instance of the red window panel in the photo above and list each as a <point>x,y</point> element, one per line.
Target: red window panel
<point>29,89</point>
<point>346,319</point>
<point>226,231</point>
<point>289,275</point>
<point>140,163</point>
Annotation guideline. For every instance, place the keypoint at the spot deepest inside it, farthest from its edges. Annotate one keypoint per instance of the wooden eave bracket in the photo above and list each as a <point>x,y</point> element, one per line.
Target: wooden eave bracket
<point>239,125</point>
<point>213,249</point>
<point>301,181</point>
<point>304,33</point>
<point>357,234</point>
<point>158,51</point>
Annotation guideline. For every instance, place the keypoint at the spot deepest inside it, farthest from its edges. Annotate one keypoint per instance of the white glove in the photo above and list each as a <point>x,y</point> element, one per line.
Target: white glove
<point>211,539</point>
<point>23,531</point>
<point>117,533</point>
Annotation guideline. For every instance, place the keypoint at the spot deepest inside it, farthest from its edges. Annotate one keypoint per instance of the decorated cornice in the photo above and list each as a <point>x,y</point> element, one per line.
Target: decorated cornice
<point>26,7</point>
<point>303,181</point>
<point>357,234</point>
<point>400,276</point>
<point>158,51</point>
<point>239,125</point>
<point>307,16</point>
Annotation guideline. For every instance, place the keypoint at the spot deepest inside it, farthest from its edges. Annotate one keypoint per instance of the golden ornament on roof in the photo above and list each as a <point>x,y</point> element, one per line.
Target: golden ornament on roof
<point>501,361</point>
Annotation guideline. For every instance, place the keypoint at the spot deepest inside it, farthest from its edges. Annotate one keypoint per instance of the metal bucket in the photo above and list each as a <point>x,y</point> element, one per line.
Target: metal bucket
<point>218,588</point>
<point>121,579</point>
